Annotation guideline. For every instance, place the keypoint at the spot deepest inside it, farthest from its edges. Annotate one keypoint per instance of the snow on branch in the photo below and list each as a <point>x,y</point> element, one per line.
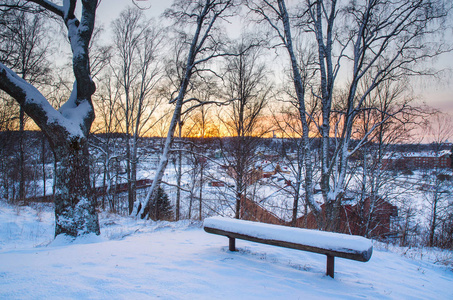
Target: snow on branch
<point>35,104</point>
<point>50,6</point>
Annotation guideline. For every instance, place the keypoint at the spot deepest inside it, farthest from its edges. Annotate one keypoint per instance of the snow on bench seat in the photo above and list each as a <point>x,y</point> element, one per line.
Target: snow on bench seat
<point>328,243</point>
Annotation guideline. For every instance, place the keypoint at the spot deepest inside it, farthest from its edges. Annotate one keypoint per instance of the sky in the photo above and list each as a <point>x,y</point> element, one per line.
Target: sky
<point>436,92</point>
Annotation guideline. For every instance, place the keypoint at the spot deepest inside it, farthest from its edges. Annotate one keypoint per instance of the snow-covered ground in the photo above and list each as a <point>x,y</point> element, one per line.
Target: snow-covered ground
<point>135,259</point>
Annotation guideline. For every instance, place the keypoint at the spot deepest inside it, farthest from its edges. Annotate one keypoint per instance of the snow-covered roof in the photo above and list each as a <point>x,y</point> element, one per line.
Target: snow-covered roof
<point>400,155</point>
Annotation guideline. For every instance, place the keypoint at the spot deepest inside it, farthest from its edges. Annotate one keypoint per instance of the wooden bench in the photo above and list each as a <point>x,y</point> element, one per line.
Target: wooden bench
<point>330,244</point>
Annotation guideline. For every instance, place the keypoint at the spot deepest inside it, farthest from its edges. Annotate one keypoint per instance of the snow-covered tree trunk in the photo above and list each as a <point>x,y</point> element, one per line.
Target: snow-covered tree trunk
<point>75,206</point>
<point>67,130</point>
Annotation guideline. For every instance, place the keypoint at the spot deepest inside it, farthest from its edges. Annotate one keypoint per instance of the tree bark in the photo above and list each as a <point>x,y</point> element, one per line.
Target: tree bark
<point>68,128</point>
<point>75,205</point>
<point>22,195</point>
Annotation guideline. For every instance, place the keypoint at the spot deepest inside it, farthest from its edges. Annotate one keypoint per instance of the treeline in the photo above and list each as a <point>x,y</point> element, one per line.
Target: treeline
<point>203,182</point>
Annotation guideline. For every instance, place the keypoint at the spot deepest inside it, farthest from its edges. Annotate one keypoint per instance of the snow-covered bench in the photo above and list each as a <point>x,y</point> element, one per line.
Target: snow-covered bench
<point>327,243</point>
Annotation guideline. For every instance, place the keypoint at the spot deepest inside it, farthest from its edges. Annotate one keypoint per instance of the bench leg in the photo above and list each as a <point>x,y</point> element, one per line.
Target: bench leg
<point>330,265</point>
<point>232,244</point>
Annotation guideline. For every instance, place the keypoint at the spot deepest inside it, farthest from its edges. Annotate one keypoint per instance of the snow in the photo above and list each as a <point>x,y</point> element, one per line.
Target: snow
<point>34,98</point>
<point>148,260</point>
<point>417,154</point>
<point>308,237</point>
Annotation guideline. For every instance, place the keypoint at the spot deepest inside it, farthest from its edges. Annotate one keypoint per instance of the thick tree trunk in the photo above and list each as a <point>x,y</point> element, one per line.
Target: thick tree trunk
<point>66,129</point>
<point>75,205</point>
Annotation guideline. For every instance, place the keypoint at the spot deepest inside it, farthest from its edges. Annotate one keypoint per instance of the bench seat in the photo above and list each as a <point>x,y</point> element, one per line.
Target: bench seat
<point>330,244</point>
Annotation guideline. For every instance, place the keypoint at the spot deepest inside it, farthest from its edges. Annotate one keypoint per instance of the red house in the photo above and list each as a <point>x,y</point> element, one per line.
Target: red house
<point>427,160</point>
<point>368,218</point>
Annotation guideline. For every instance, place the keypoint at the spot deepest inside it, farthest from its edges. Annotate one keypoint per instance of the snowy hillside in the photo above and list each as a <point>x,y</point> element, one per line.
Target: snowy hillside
<point>148,260</point>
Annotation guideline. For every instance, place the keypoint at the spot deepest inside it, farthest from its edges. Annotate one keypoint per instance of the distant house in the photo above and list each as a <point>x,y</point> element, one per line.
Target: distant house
<point>367,219</point>
<point>251,177</point>
<point>427,160</point>
<point>216,184</point>
<point>269,169</point>
<point>283,170</point>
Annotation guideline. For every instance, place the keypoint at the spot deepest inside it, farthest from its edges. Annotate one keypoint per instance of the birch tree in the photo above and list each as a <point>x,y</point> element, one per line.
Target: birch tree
<point>66,129</point>
<point>369,42</point>
<point>384,41</point>
<point>204,44</point>
<point>275,14</point>
<point>137,44</point>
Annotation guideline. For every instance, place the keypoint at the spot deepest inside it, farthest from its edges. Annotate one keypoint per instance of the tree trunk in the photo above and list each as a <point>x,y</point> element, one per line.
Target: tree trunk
<point>44,177</point>
<point>75,204</point>
<point>128,168</point>
<point>133,178</point>
<point>432,227</point>
<point>179,175</point>
<point>104,182</point>
<point>201,191</point>
<point>296,201</point>
<point>21,155</point>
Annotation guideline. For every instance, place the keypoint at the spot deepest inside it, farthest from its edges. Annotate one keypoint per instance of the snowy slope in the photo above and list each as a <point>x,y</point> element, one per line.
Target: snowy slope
<point>148,260</point>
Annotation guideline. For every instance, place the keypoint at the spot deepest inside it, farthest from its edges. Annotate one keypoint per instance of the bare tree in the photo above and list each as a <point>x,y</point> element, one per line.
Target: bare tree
<point>25,47</point>
<point>66,129</point>
<point>200,16</point>
<point>385,41</point>
<point>197,125</point>
<point>372,41</point>
<point>106,101</point>
<point>201,120</point>
<point>437,184</point>
<point>374,181</point>
<point>287,123</point>
<point>275,14</point>
<point>245,83</point>
<point>137,44</point>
